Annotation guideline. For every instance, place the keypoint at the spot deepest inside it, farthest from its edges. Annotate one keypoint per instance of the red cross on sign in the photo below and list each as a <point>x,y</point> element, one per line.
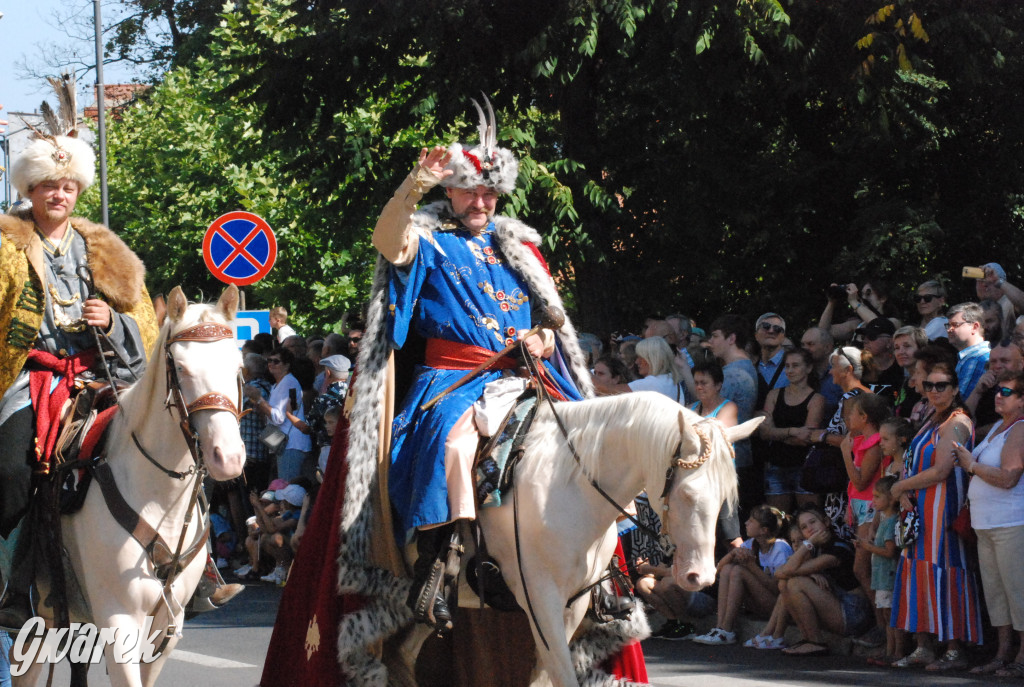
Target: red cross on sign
<point>239,248</point>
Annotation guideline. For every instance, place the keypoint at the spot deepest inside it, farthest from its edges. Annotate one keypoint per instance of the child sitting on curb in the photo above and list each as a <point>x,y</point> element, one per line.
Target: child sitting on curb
<point>746,574</point>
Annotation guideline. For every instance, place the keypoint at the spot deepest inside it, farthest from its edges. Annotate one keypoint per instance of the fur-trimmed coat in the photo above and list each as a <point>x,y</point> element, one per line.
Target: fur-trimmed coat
<point>118,275</point>
<point>365,568</point>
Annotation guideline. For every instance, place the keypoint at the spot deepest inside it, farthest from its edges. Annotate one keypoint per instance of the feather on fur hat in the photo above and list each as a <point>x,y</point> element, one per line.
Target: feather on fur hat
<point>485,164</point>
<point>58,154</point>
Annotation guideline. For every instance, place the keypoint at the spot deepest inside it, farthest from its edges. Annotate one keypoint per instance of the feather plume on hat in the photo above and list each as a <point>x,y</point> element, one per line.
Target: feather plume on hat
<point>486,164</point>
<point>57,154</point>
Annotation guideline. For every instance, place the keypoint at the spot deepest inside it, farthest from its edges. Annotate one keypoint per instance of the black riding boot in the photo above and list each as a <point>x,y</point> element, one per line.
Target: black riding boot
<point>16,460</point>
<point>426,597</point>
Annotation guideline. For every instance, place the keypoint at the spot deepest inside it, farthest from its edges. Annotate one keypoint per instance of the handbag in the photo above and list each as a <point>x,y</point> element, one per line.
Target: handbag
<point>273,438</point>
<point>907,528</point>
<point>823,471</point>
<point>962,524</point>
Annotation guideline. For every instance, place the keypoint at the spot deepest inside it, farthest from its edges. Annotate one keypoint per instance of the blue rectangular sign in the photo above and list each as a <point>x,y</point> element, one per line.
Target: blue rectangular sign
<point>249,323</point>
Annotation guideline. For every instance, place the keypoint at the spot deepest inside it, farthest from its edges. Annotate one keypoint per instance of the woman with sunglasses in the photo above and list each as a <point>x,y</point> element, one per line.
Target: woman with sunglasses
<point>935,593</point>
<point>997,516</point>
<point>848,366</point>
<point>930,300</point>
<point>284,410</point>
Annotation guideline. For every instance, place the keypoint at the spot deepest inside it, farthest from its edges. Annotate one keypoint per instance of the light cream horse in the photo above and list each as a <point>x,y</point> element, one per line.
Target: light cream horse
<point>567,534</point>
<point>117,577</point>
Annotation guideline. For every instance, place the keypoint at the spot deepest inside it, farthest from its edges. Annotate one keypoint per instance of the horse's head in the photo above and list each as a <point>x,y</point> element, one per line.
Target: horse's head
<point>705,478</point>
<point>206,364</point>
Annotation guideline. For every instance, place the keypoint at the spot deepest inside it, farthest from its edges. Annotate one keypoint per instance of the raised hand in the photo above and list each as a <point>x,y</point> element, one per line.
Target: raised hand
<point>434,161</point>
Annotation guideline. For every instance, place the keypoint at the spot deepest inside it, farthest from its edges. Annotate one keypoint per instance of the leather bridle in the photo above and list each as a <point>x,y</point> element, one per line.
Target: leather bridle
<point>206,332</point>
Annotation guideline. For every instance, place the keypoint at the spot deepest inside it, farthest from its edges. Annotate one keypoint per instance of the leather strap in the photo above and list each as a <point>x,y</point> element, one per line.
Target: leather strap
<point>205,331</point>
<point>156,548</point>
<point>213,401</point>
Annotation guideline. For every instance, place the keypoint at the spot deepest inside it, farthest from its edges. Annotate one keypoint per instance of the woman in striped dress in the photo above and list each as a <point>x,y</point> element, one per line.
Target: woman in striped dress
<point>936,596</point>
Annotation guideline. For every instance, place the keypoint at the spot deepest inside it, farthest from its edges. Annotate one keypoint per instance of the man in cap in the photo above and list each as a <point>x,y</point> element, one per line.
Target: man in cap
<point>62,278</point>
<point>336,369</point>
<point>888,378</point>
<point>470,282</point>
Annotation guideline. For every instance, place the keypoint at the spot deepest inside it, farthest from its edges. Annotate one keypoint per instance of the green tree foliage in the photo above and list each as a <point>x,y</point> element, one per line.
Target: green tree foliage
<point>699,156</point>
<point>733,156</point>
<point>185,155</point>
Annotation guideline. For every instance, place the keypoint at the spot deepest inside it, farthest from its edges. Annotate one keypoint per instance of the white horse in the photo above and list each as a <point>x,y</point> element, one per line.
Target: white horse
<point>567,533</point>
<point>118,578</point>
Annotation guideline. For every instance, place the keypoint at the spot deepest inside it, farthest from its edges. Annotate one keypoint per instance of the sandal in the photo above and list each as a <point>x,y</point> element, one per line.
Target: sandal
<point>1014,669</point>
<point>953,659</point>
<point>806,648</point>
<point>988,668</point>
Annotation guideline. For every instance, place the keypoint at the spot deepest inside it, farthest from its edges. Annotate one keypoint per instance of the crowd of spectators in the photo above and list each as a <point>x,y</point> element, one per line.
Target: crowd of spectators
<point>295,388</point>
<point>853,493</point>
<point>881,496</point>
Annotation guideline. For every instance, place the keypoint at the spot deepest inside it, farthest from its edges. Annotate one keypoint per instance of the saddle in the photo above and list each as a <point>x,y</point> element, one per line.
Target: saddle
<point>497,456</point>
<point>81,440</point>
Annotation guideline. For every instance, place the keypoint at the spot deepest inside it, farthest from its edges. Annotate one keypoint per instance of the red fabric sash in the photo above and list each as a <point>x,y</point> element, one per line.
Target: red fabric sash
<point>48,404</point>
<point>449,355</point>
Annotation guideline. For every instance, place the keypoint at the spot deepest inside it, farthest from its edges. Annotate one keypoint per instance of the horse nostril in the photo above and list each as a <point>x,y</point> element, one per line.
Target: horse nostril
<point>694,579</point>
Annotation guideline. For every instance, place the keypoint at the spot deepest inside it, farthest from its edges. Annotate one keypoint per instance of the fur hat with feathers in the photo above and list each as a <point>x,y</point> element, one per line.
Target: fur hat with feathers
<point>485,164</point>
<point>58,154</point>
<point>53,158</point>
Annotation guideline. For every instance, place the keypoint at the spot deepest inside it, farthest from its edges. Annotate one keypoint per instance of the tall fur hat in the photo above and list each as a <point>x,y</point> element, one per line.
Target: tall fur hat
<point>485,164</point>
<point>49,158</point>
<point>57,154</point>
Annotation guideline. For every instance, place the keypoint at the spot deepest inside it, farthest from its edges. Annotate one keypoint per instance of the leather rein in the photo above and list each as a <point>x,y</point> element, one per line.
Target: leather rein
<point>662,537</point>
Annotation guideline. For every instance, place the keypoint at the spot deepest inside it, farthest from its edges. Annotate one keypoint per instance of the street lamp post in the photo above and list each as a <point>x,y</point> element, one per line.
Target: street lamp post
<point>101,112</point>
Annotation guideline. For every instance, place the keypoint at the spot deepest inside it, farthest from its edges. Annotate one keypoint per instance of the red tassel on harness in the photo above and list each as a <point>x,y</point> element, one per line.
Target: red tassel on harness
<point>47,403</point>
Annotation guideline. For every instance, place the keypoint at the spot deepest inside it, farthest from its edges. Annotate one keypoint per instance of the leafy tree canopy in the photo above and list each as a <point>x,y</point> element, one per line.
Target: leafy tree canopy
<point>698,157</point>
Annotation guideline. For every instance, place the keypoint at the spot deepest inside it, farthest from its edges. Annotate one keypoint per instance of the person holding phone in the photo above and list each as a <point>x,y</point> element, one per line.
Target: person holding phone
<point>284,410</point>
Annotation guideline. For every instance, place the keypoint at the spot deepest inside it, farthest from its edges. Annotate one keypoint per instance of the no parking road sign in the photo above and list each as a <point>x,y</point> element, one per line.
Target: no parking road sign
<point>239,248</point>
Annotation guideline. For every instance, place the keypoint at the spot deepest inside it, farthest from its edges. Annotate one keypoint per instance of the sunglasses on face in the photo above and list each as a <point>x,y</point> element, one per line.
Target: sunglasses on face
<point>925,298</point>
<point>936,386</point>
<point>874,336</point>
<point>950,326</point>
<point>1006,391</point>
<point>773,328</point>
<point>273,361</point>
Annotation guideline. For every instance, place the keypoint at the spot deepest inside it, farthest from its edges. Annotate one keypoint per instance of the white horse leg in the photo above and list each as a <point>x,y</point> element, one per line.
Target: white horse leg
<point>151,671</point>
<point>123,657</point>
<point>554,662</point>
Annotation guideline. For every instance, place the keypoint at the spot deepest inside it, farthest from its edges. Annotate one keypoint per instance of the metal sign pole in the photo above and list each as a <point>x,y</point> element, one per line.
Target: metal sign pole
<point>101,111</point>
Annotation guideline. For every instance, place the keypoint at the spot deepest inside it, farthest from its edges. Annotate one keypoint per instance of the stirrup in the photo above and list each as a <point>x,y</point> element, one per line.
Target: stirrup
<point>428,605</point>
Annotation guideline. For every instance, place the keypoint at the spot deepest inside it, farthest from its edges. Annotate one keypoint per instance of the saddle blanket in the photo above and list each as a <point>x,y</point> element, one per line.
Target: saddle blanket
<point>510,437</point>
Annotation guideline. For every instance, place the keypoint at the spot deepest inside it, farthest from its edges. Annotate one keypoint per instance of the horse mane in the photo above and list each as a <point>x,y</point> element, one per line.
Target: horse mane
<point>643,425</point>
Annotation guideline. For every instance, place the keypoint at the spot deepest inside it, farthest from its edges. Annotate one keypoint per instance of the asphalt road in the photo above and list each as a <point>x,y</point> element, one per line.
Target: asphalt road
<point>685,664</point>
<point>226,648</point>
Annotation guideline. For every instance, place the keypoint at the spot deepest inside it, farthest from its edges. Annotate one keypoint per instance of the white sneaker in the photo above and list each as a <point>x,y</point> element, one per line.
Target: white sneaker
<point>222,563</point>
<point>772,643</point>
<point>756,641</point>
<point>716,636</point>
<point>244,570</point>
<point>277,575</point>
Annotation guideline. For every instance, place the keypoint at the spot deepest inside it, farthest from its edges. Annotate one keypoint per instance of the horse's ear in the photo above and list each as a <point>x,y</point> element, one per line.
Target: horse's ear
<point>743,431</point>
<point>227,304</point>
<point>176,304</point>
